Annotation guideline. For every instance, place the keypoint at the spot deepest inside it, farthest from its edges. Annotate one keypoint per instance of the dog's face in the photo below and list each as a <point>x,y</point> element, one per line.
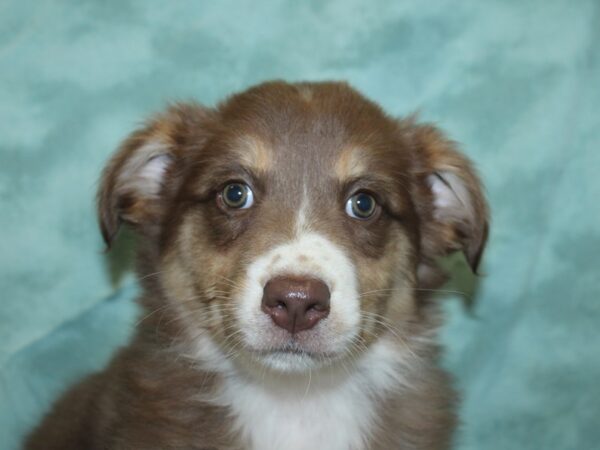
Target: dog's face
<point>293,225</point>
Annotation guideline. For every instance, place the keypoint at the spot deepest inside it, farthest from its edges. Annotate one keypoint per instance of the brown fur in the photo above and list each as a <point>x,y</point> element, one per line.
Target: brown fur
<point>155,394</point>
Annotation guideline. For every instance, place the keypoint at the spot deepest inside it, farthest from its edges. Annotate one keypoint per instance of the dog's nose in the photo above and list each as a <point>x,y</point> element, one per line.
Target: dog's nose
<point>296,303</point>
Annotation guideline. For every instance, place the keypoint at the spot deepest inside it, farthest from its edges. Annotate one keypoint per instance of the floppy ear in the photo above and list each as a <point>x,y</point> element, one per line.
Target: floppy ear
<point>146,169</point>
<point>452,205</point>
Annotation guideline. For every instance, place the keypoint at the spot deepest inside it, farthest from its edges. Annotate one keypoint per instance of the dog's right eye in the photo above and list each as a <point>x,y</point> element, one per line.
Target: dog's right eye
<point>238,196</point>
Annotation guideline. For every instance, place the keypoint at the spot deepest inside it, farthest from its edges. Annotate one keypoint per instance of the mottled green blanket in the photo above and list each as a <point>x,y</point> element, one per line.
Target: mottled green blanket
<point>516,82</point>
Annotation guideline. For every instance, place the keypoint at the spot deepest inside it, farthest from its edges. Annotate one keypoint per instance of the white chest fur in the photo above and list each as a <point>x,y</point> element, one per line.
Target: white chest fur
<point>334,413</point>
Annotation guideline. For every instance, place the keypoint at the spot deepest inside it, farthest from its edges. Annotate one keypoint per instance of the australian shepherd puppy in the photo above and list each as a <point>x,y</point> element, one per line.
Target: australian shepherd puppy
<point>287,242</point>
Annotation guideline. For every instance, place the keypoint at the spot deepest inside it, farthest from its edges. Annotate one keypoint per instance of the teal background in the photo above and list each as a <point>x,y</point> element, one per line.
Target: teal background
<point>516,82</point>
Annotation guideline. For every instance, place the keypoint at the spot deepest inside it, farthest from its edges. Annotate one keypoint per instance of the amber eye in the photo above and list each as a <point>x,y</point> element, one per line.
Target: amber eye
<point>361,206</point>
<point>238,196</point>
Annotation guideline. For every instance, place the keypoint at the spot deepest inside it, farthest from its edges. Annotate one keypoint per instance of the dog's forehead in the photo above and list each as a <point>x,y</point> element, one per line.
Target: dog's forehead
<point>312,132</point>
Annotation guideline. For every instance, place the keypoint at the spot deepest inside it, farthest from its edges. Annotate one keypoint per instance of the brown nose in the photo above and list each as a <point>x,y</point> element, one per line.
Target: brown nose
<point>296,304</point>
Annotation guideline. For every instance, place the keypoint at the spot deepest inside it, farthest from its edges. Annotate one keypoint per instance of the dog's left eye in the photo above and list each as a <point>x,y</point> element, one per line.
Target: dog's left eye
<point>361,206</point>
<point>238,196</point>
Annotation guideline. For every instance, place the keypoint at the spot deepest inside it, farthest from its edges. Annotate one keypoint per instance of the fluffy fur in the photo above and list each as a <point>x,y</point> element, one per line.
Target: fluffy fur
<point>207,368</point>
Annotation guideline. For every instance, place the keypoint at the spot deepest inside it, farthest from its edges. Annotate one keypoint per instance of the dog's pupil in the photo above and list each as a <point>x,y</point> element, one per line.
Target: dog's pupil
<point>235,194</point>
<point>364,203</point>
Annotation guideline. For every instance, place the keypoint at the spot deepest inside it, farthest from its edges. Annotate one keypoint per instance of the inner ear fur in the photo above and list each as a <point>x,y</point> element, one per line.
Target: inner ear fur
<point>145,169</point>
<point>450,199</point>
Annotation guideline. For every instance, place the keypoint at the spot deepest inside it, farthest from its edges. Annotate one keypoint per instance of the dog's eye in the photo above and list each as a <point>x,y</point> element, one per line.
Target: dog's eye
<point>361,206</point>
<point>238,195</point>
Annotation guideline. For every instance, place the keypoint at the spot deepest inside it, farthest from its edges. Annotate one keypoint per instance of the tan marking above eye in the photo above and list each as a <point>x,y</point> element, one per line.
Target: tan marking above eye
<point>350,164</point>
<point>254,153</point>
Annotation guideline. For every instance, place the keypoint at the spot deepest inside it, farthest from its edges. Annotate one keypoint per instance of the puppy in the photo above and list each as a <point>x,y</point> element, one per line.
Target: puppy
<point>288,239</point>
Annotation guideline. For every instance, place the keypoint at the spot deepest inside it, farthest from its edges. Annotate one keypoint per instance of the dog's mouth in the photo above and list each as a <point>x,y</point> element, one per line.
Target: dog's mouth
<point>294,349</point>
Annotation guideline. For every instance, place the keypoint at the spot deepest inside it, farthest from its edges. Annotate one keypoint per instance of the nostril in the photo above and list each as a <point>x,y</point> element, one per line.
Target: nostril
<point>316,307</point>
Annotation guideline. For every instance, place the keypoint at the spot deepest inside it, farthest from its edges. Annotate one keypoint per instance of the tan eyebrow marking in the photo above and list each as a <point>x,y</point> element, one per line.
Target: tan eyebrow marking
<point>350,164</point>
<point>254,153</point>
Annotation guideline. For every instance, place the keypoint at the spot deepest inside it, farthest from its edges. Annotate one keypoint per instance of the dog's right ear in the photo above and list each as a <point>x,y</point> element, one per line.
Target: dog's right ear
<point>146,168</point>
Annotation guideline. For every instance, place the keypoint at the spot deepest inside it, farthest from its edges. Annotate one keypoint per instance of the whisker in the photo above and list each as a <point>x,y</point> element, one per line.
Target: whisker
<point>382,320</point>
<point>441,291</point>
<point>150,275</point>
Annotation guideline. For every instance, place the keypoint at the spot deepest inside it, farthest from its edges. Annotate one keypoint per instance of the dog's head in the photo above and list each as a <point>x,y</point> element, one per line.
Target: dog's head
<point>294,224</point>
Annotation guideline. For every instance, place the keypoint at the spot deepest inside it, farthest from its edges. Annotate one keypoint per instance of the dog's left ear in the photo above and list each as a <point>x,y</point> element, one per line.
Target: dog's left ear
<point>451,202</point>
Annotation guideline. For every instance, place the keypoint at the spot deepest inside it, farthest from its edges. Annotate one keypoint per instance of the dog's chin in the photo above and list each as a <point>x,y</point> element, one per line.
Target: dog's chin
<point>277,350</point>
<point>292,359</point>
<point>290,362</point>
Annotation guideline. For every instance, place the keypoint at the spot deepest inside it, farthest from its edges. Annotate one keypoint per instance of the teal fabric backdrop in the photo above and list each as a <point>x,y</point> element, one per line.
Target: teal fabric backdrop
<point>516,82</point>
